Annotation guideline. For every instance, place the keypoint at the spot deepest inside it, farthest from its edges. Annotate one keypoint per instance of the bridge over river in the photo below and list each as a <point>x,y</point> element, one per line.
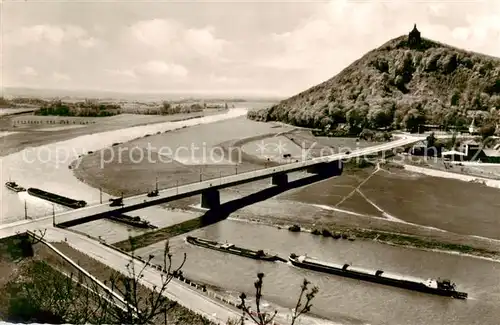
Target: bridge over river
<point>217,312</point>
<point>209,189</point>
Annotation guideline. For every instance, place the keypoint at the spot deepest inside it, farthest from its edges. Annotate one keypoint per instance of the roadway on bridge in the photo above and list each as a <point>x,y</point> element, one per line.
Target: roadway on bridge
<point>174,193</point>
<point>171,194</point>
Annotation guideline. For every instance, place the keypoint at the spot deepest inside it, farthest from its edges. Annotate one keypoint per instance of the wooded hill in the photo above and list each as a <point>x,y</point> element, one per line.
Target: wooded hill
<point>399,85</point>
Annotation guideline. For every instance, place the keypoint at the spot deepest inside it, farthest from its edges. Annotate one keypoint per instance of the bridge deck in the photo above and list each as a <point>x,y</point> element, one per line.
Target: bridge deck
<point>175,193</point>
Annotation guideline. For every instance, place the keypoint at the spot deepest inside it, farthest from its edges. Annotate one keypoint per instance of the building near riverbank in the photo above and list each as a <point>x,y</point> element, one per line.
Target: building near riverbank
<point>453,155</point>
<point>491,156</point>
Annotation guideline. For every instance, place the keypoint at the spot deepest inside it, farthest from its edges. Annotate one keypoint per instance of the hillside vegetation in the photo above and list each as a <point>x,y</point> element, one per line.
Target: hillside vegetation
<point>395,86</point>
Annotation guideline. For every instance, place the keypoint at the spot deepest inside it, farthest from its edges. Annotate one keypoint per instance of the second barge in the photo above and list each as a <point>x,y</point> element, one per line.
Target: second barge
<point>230,248</point>
<point>55,198</point>
<point>437,287</point>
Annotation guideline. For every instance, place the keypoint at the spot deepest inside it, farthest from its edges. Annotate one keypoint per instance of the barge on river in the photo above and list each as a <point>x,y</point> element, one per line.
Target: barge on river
<point>231,249</point>
<point>55,198</point>
<point>438,287</point>
<point>13,186</point>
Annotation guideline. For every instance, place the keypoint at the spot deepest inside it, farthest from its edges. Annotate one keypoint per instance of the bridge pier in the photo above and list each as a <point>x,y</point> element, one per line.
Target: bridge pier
<point>333,168</point>
<point>210,199</point>
<point>279,179</point>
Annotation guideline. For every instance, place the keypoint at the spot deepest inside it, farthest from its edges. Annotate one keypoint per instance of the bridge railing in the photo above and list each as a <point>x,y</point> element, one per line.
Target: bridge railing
<point>296,164</point>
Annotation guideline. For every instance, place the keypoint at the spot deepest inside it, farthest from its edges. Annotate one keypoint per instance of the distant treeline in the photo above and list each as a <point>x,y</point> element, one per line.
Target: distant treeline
<point>168,108</point>
<point>21,101</point>
<point>95,108</point>
<point>81,109</point>
<point>4,102</point>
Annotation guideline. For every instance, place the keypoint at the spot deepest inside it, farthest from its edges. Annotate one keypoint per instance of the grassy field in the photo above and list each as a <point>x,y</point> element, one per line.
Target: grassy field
<point>142,173</point>
<point>141,177</point>
<point>451,205</point>
<point>29,138</point>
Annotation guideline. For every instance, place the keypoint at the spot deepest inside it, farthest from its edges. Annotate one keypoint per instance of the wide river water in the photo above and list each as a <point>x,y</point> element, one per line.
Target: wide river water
<point>343,300</point>
<point>46,167</point>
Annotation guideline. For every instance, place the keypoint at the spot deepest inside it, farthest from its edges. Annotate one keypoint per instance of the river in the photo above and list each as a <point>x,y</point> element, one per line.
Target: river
<point>46,167</point>
<point>345,300</point>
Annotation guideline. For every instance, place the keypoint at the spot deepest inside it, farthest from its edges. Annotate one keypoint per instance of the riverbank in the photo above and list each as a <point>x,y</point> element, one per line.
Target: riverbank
<point>159,235</point>
<point>43,271</point>
<point>386,232</point>
<point>390,238</point>
<point>462,175</point>
<point>34,131</point>
<point>197,153</point>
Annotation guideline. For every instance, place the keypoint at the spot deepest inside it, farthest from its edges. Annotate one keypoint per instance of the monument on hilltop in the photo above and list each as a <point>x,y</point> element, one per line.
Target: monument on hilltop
<point>414,37</point>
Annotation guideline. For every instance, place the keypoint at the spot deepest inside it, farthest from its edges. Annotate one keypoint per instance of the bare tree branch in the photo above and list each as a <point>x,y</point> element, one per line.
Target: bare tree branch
<point>265,318</point>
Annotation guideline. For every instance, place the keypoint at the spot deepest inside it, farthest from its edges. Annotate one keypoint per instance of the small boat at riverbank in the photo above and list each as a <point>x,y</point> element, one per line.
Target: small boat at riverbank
<point>55,198</point>
<point>132,221</point>
<point>13,186</point>
<point>231,249</point>
<point>432,286</point>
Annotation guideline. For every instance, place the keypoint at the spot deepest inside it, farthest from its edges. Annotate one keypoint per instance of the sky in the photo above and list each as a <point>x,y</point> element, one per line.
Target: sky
<point>274,48</point>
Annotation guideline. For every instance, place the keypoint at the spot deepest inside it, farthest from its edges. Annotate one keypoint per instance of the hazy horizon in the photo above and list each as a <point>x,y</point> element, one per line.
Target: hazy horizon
<point>236,49</point>
<point>47,93</point>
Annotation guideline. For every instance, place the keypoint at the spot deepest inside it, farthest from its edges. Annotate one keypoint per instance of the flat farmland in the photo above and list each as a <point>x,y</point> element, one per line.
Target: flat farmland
<point>451,205</point>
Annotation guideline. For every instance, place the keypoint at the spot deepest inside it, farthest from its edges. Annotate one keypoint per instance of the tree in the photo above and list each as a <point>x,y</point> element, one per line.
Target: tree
<point>412,120</point>
<point>53,296</point>
<point>259,317</point>
<point>165,108</point>
<point>455,97</point>
<point>452,142</point>
<point>431,140</point>
<point>356,117</point>
<point>142,307</point>
<point>80,300</point>
<point>379,117</point>
<point>367,134</point>
<point>487,131</point>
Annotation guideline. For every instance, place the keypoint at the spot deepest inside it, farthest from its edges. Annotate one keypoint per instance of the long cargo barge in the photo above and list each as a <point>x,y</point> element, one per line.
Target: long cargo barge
<point>232,249</point>
<point>55,198</point>
<point>432,286</point>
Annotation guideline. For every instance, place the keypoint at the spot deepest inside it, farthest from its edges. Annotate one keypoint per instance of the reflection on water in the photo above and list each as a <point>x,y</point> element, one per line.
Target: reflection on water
<point>46,167</point>
<point>341,298</point>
